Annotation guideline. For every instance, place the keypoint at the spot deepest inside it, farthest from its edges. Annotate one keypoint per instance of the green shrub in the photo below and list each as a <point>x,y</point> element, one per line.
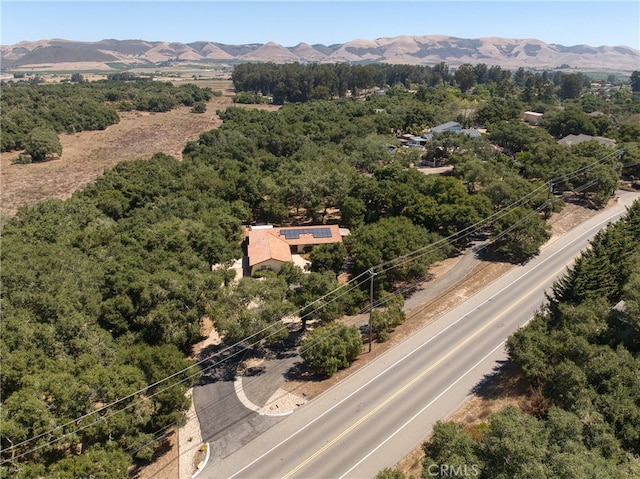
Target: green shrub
<point>22,159</point>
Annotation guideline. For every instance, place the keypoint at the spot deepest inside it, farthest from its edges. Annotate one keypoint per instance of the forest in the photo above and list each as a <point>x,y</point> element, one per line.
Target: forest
<point>296,82</point>
<point>103,294</point>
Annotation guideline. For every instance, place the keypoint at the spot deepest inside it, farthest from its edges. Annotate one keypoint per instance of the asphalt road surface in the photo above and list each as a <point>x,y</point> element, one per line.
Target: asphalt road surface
<point>380,413</point>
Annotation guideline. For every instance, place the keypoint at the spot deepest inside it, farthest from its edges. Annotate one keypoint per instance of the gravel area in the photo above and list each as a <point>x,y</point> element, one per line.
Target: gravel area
<point>189,444</point>
<point>282,402</point>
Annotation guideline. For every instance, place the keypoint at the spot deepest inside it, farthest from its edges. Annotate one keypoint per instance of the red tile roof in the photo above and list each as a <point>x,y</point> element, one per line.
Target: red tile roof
<point>264,245</point>
<point>271,243</point>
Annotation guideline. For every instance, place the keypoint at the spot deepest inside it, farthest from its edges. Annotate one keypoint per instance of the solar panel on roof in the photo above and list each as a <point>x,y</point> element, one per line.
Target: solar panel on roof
<point>317,232</point>
<point>321,233</point>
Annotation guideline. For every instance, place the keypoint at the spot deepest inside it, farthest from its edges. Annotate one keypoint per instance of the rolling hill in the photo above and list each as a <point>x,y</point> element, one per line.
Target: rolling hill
<point>413,50</point>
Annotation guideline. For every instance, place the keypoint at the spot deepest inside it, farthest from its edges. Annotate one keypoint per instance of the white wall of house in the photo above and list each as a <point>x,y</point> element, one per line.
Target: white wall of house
<point>270,264</point>
<point>532,117</point>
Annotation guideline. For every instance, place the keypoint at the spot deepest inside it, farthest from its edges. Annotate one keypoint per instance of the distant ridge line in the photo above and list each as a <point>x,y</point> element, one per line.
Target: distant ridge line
<point>404,49</point>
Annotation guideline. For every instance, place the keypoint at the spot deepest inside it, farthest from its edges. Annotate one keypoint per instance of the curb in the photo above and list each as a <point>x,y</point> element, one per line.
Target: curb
<point>249,405</point>
<point>204,462</point>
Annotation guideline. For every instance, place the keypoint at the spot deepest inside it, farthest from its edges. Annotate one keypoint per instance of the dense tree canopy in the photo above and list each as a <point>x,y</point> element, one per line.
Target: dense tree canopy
<point>331,348</point>
<point>104,294</point>
<point>635,81</point>
<point>570,122</point>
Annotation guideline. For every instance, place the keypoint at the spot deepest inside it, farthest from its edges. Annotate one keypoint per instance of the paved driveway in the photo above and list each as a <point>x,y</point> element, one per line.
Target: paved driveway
<point>227,423</point>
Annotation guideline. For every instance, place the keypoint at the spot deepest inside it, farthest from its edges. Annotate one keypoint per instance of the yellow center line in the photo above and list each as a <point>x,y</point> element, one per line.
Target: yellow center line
<point>412,382</point>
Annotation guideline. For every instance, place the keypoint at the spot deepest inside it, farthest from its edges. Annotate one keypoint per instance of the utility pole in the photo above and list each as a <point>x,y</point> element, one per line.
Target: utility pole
<point>548,206</point>
<point>371,275</point>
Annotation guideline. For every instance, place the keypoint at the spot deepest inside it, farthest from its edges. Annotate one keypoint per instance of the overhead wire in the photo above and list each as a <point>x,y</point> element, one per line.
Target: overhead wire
<point>400,291</point>
<point>387,265</point>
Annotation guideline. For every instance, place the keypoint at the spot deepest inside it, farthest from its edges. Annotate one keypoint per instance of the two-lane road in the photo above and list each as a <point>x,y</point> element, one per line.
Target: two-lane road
<point>381,412</point>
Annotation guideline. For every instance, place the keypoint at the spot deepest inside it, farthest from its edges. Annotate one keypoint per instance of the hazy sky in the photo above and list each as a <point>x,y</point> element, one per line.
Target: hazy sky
<point>288,23</point>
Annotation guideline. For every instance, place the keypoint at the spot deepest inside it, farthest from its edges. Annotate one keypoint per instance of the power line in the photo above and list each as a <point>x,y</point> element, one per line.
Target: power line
<point>273,325</point>
<point>385,266</point>
<point>403,289</point>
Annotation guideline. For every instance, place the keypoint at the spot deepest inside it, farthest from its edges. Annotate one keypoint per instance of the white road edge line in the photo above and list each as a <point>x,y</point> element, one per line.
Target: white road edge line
<point>291,436</point>
<point>427,406</point>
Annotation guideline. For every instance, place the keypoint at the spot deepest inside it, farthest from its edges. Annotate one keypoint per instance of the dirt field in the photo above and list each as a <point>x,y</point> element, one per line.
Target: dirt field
<point>86,155</point>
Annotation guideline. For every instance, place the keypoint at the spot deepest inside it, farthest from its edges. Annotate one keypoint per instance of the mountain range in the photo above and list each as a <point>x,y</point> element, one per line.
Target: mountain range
<point>508,53</point>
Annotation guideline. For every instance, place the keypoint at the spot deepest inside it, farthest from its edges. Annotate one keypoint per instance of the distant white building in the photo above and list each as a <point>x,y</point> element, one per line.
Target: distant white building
<point>571,140</point>
<point>451,126</point>
<point>533,118</point>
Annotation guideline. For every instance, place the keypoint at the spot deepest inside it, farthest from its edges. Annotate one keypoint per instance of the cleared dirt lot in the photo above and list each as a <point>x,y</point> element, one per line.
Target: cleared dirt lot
<point>86,155</point>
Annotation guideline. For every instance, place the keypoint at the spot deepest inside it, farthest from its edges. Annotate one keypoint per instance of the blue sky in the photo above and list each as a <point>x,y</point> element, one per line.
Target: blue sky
<point>288,23</point>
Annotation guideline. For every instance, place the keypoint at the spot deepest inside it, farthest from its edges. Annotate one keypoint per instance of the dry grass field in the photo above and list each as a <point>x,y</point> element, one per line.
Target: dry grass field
<point>86,155</point>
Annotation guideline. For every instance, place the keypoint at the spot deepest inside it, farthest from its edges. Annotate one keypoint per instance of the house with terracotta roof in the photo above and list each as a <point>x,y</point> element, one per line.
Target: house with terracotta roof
<point>268,247</point>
